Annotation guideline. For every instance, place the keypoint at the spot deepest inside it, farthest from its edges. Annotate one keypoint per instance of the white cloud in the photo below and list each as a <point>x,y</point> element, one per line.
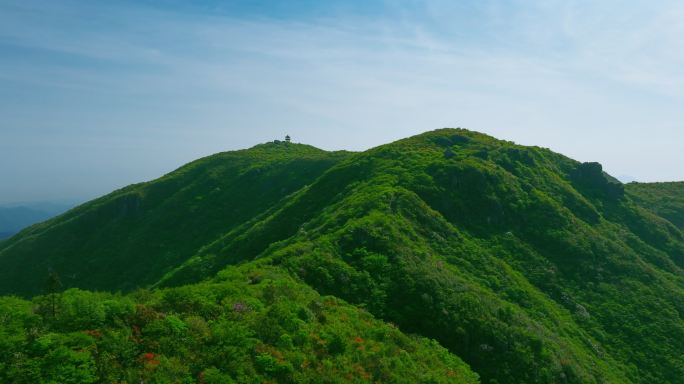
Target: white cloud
<point>574,76</point>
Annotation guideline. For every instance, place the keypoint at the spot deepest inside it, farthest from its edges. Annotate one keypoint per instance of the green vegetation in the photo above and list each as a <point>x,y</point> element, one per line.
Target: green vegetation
<point>664,199</point>
<point>130,238</point>
<point>248,325</point>
<point>527,265</point>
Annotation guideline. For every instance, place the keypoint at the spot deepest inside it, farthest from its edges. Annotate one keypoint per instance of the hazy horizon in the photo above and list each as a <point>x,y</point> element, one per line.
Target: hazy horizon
<point>76,199</point>
<point>95,95</point>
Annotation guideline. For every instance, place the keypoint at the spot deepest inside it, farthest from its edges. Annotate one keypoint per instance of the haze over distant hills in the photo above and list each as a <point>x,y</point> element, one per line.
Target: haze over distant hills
<point>449,256</point>
<point>17,216</point>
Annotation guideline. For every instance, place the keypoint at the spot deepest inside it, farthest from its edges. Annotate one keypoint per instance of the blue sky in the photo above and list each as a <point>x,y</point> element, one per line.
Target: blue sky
<point>95,95</point>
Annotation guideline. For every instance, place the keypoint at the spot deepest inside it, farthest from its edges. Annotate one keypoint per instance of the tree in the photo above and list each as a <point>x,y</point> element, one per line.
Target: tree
<point>53,285</point>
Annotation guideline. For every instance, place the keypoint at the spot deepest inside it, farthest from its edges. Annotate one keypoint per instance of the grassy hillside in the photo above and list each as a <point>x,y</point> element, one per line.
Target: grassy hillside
<point>248,325</point>
<point>528,265</point>
<point>664,199</point>
<point>129,238</point>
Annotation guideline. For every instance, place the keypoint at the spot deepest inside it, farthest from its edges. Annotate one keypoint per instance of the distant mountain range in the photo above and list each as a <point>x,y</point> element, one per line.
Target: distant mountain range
<point>17,216</point>
<point>447,257</point>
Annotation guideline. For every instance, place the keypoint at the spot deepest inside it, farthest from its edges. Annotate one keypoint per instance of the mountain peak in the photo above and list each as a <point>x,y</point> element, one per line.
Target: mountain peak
<point>511,257</point>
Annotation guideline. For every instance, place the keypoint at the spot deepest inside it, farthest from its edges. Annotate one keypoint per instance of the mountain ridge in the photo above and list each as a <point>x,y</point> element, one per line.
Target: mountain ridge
<point>528,265</point>
<point>149,207</point>
<point>17,216</point>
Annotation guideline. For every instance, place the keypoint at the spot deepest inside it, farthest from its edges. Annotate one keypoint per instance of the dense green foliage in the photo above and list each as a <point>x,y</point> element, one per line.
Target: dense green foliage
<point>530,266</point>
<point>664,199</point>
<point>145,229</point>
<point>248,325</point>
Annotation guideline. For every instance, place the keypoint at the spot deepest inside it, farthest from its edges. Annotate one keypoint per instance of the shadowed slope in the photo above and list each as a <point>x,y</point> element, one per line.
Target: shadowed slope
<point>130,237</point>
<point>664,199</point>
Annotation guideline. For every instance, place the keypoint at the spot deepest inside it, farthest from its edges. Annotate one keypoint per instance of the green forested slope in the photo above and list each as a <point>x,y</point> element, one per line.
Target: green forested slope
<point>248,325</point>
<point>129,238</point>
<point>528,265</point>
<point>664,199</point>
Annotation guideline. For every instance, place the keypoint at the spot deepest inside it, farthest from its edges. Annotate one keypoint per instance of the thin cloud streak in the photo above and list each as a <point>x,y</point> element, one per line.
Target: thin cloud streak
<point>576,77</point>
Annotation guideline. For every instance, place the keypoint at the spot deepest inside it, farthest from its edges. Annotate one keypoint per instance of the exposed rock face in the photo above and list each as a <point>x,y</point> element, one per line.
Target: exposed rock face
<point>590,179</point>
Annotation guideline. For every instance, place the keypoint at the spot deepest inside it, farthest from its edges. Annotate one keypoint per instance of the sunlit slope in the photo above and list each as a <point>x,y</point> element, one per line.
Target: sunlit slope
<point>130,237</point>
<point>252,324</point>
<point>530,266</point>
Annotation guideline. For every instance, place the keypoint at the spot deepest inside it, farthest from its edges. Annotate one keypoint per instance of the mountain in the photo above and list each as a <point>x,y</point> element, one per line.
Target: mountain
<point>527,265</point>
<point>663,199</point>
<point>15,217</point>
<point>143,230</point>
